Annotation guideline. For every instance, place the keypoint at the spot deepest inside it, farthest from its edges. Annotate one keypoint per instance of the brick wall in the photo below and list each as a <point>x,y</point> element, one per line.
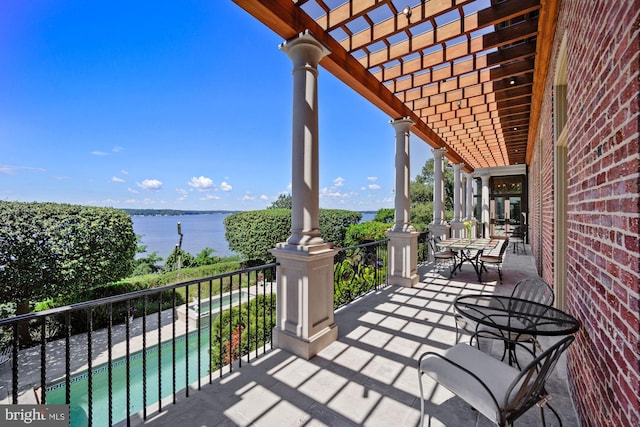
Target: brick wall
<point>603,163</point>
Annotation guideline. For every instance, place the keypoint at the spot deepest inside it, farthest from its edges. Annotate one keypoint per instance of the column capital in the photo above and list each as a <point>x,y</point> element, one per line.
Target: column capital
<point>438,152</point>
<point>457,166</point>
<point>403,124</point>
<point>304,49</point>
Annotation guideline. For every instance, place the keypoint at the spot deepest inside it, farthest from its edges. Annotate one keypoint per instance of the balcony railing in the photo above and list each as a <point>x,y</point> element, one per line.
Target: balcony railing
<point>116,356</point>
<point>358,270</point>
<point>137,352</point>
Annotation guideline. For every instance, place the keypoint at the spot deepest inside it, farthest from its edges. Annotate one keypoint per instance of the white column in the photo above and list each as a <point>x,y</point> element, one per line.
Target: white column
<point>469,203</point>
<point>438,186</point>
<point>403,175</point>
<point>305,52</point>
<point>403,238</point>
<point>485,204</point>
<point>304,310</point>
<point>457,228</point>
<point>457,190</point>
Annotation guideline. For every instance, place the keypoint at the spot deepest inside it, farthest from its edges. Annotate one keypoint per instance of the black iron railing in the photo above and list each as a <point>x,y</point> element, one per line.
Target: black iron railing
<point>358,270</point>
<point>423,247</point>
<point>140,348</point>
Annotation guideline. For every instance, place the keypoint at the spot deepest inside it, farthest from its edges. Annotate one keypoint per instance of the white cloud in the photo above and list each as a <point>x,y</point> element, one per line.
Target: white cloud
<point>264,197</point>
<point>99,153</point>
<point>117,149</point>
<point>224,186</point>
<point>132,190</point>
<point>11,170</point>
<point>183,194</point>
<point>150,184</point>
<point>334,193</point>
<point>210,197</point>
<point>201,184</point>
<point>116,179</point>
<point>248,196</point>
<point>338,182</point>
<point>124,172</point>
<point>374,187</point>
<point>372,178</point>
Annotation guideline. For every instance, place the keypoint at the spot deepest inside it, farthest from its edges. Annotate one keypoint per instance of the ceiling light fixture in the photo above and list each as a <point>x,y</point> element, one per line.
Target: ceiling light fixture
<point>512,81</point>
<point>407,12</point>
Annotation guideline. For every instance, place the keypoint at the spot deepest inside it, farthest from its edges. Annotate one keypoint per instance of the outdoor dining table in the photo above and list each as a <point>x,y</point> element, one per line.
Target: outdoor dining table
<point>468,250</point>
<point>514,318</point>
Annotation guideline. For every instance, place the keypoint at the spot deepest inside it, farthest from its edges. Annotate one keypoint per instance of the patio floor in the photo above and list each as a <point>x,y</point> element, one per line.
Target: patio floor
<point>369,376</point>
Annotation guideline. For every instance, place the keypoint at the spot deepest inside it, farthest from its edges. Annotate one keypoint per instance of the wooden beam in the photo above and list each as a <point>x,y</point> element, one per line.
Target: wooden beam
<point>547,29</point>
<point>287,20</point>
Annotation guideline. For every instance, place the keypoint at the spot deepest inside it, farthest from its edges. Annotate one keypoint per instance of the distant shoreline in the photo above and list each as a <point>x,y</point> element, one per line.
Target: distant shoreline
<point>172,212</point>
<point>176,212</point>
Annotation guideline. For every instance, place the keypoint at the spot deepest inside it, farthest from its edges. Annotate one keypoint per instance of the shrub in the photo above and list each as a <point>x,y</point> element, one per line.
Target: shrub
<point>370,231</point>
<point>238,331</point>
<point>254,233</point>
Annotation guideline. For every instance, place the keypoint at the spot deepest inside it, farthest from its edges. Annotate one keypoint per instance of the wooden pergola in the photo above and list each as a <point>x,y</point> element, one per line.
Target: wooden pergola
<point>469,73</point>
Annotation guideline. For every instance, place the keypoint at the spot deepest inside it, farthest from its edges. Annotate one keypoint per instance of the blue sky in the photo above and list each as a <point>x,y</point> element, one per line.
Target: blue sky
<point>176,105</point>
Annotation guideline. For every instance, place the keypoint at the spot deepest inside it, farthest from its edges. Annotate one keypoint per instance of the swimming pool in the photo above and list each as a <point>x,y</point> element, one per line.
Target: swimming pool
<point>100,407</point>
<point>209,305</point>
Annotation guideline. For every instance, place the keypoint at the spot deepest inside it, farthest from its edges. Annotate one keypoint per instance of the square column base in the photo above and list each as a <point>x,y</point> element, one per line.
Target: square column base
<point>439,230</point>
<point>458,231</point>
<point>304,306</point>
<point>305,347</point>
<point>403,258</point>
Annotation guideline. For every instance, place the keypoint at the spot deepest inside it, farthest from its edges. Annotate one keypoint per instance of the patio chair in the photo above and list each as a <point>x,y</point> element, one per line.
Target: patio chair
<point>6,354</point>
<point>531,289</point>
<point>494,260</point>
<point>496,390</point>
<point>519,237</point>
<point>441,256</point>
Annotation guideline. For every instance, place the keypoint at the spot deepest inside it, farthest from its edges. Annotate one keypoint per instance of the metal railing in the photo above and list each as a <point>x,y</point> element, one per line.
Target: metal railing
<point>145,347</point>
<point>358,270</point>
<point>158,334</point>
<point>423,247</point>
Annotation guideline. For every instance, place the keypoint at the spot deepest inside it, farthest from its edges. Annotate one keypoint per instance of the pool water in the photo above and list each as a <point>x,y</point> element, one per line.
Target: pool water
<point>100,388</point>
<point>214,303</point>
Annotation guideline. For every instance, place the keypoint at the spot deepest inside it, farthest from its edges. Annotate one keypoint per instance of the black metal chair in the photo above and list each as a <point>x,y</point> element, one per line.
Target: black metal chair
<point>440,256</point>
<point>494,260</point>
<point>496,390</point>
<point>531,289</point>
<point>519,237</point>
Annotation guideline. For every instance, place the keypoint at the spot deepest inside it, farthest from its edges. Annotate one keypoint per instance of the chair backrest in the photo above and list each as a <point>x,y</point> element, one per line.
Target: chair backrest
<point>534,289</point>
<point>503,248</point>
<point>528,387</point>
<point>6,354</point>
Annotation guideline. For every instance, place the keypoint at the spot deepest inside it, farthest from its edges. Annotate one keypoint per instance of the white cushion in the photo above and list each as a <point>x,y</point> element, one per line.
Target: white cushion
<point>496,375</point>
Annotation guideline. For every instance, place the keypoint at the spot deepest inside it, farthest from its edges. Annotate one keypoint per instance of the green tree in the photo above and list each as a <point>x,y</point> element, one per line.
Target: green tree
<point>422,190</point>
<point>147,265</point>
<point>206,257</point>
<point>48,250</point>
<point>179,259</point>
<point>386,215</point>
<point>282,202</point>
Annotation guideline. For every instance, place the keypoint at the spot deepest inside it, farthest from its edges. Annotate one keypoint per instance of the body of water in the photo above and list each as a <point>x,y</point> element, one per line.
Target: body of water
<point>160,233</point>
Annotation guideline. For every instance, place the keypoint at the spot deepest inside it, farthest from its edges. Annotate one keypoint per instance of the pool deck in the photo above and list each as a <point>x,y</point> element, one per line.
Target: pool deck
<point>367,377</point>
